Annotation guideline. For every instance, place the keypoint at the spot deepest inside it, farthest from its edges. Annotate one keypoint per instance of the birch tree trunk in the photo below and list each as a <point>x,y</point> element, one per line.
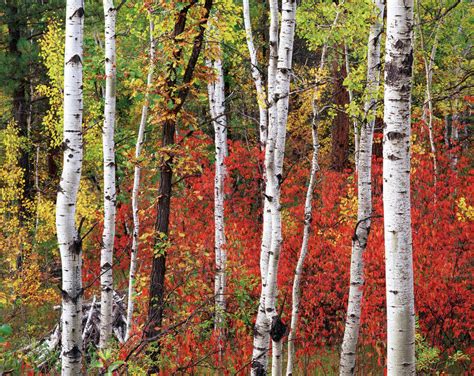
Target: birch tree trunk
<point>428,62</point>
<point>308,217</point>
<point>216,95</point>
<point>257,76</point>
<point>106,255</point>
<point>396,189</point>
<point>69,240</point>
<point>364,187</point>
<point>308,209</point>
<point>275,171</point>
<point>261,340</point>
<point>136,186</point>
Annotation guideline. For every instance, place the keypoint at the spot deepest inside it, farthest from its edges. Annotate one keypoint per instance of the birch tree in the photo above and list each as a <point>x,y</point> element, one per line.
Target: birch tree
<point>396,189</point>
<point>256,76</point>
<point>274,156</point>
<point>308,216</point>
<point>106,254</point>
<point>261,341</point>
<point>216,94</point>
<point>136,185</point>
<point>308,208</point>
<point>69,239</point>
<point>364,187</point>
<point>428,64</point>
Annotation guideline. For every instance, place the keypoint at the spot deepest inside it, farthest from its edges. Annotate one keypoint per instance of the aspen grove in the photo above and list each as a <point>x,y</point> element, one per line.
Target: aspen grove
<point>233,187</point>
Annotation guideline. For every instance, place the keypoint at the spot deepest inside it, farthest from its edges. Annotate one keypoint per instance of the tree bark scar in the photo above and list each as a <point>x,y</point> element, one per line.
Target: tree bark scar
<point>76,59</point>
<point>394,136</point>
<point>78,13</point>
<point>73,353</point>
<point>258,368</point>
<point>394,71</point>
<point>76,246</point>
<point>278,329</point>
<point>68,298</point>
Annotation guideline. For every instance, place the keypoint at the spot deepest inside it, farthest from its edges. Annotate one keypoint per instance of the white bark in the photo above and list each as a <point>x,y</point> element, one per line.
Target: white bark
<point>396,189</point>
<point>68,237</point>
<point>261,340</point>
<point>364,187</point>
<point>275,172</point>
<point>428,62</point>
<point>108,236</point>
<point>136,187</point>
<point>257,76</point>
<point>88,321</point>
<point>216,95</point>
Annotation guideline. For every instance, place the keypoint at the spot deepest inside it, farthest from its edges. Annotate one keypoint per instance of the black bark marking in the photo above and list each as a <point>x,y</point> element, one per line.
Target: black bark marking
<point>392,136</point>
<point>394,71</point>
<point>269,198</point>
<point>280,179</point>
<point>68,298</point>
<point>278,329</point>
<point>399,44</point>
<point>76,246</point>
<point>79,13</point>
<point>73,353</point>
<point>258,368</point>
<point>393,157</point>
<point>76,59</point>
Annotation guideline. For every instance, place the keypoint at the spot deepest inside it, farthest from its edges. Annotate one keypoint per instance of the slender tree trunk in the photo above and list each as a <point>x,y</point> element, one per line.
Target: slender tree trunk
<point>257,76</point>
<point>428,62</point>
<point>275,174</point>
<point>136,186</point>
<point>308,217</point>
<point>20,106</point>
<point>157,282</point>
<point>355,124</point>
<point>296,294</point>
<point>261,341</point>
<point>396,189</point>
<point>341,124</point>
<point>217,108</point>
<point>262,329</point>
<point>68,237</point>
<point>364,187</point>
<point>177,94</point>
<point>110,199</point>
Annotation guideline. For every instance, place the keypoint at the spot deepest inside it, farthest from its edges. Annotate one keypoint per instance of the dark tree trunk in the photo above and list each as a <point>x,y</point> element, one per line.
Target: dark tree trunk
<point>341,124</point>
<point>21,108</point>
<point>177,98</point>
<point>163,206</point>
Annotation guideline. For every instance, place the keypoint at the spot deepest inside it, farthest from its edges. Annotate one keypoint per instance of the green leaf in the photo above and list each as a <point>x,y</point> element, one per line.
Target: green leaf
<point>5,330</point>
